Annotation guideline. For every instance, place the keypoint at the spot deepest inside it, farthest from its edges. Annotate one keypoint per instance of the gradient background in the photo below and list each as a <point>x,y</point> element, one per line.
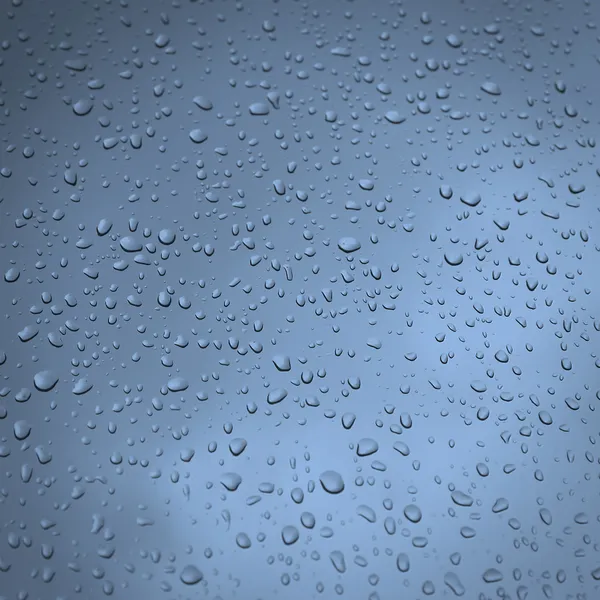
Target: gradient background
<point>180,186</point>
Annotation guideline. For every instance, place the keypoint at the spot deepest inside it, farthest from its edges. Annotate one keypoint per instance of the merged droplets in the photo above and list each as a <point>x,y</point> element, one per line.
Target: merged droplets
<point>454,583</point>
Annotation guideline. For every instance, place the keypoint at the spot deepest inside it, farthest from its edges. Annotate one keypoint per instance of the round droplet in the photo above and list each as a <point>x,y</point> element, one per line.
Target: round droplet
<point>11,275</point>
<point>454,41</point>
<point>82,386</point>
<point>500,505</point>
<point>21,429</point>
<point>483,413</point>
<point>104,226</point>
<point>276,396</point>
<point>366,447</point>
<point>461,499</point>
<point>308,520</point>
<point>332,482</point>
<point>492,576</point>
<point>402,447</point>
<point>453,259</point>
<point>348,244</point>
<point>130,244</point>
<point>348,419</point>
<point>290,535</point>
<point>44,381</point>
<point>403,562</point>
<point>446,192</point>
<point>243,541</point>
<point>177,384</point>
<point>489,87</point>
<point>282,363</point>
<point>83,107</point>
<point>187,454</point>
<point>501,356</point>
<point>191,575</point>
<point>161,40</point>
<point>231,481</point>
<point>394,117</point>
<point>202,102</point>
<point>198,136</point>
<point>546,516</point>
<point>472,199</point>
<point>482,469</point>
<point>478,386</point>
<point>166,236</point>
<point>259,109</point>
<point>413,513</point>
<point>237,446</point>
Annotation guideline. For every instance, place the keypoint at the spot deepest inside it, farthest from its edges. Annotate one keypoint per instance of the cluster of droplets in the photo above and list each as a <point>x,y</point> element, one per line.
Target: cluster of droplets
<point>311,287</point>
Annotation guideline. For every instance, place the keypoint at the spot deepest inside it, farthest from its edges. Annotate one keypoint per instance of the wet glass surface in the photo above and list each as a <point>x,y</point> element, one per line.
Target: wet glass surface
<point>299,300</point>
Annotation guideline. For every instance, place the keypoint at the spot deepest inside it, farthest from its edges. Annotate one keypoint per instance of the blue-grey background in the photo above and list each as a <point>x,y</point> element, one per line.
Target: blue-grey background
<point>299,300</point>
